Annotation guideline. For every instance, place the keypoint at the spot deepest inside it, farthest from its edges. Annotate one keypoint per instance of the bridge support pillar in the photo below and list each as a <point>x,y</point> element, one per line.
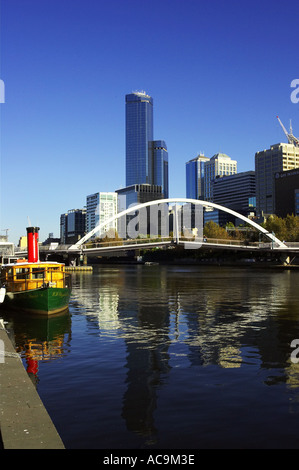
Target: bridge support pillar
<point>83,260</point>
<point>73,259</point>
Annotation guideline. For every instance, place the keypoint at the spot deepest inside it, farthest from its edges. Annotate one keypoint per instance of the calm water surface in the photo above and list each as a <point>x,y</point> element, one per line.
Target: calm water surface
<point>155,357</point>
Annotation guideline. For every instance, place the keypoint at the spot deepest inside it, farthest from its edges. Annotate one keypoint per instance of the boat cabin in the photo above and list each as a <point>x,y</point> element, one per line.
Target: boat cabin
<point>23,276</point>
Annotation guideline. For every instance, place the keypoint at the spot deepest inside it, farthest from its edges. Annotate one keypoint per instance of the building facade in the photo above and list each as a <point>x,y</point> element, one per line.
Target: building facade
<point>138,194</point>
<point>236,192</point>
<point>146,158</point>
<point>219,165</point>
<point>195,177</point>
<point>287,193</point>
<point>101,206</point>
<point>160,166</point>
<point>278,158</point>
<point>139,135</point>
<point>72,226</point>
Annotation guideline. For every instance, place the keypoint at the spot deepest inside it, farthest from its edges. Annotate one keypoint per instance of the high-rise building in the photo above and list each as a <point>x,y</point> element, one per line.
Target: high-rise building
<point>138,194</point>
<point>219,165</point>
<point>101,206</point>
<point>146,158</point>
<point>195,177</point>
<point>72,225</point>
<point>139,135</point>
<point>279,157</point>
<point>160,166</point>
<point>287,192</point>
<point>235,192</point>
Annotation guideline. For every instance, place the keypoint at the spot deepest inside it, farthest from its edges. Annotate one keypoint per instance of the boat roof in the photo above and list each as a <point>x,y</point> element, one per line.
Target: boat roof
<point>26,263</point>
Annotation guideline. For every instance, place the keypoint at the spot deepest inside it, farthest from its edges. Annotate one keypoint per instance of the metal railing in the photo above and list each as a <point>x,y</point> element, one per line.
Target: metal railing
<point>136,241</point>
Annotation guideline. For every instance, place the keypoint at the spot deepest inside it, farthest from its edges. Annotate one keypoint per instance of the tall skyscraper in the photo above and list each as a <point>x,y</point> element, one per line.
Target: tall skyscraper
<point>139,135</point>
<point>195,177</point>
<point>146,159</point>
<point>277,158</point>
<point>219,165</point>
<point>160,166</point>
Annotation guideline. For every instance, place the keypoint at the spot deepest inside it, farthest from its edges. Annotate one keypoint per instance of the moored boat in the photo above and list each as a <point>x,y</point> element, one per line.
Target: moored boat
<point>33,286</point>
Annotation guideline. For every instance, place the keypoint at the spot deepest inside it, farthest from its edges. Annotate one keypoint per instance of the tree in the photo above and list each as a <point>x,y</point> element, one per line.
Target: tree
<point>213,230</point>
<point>276,225</point>
<point>285,229</point>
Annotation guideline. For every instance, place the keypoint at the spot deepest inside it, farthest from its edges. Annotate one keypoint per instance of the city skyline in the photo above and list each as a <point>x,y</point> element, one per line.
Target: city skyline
<point>219,75</point>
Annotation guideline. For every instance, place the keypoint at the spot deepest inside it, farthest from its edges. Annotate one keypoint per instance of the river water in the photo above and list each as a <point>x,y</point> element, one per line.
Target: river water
<point>169,357</point>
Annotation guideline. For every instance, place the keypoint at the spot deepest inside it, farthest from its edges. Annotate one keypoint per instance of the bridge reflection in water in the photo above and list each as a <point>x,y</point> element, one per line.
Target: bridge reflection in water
<point>172,357</point>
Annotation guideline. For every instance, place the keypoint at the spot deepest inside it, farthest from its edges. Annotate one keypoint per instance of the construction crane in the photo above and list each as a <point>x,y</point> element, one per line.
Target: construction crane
<point>291,138</point>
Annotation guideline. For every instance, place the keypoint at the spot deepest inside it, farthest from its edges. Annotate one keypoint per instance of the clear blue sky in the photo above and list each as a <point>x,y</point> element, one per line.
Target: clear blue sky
<point>219,72</point>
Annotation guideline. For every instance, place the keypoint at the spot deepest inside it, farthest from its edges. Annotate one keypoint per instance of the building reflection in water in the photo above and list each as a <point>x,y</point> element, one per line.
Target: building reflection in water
<point>176,317</point>
<point>169,316</point>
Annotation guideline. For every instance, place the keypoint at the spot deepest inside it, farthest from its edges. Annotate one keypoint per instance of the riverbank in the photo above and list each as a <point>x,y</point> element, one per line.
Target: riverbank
<point>24,421</point>
<point>247,263</point>
<point>203,257</point>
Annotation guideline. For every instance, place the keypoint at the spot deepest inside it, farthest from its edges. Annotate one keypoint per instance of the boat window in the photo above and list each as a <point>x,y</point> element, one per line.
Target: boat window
<point>22,273</point>
<point>10,273</point>
<point>38,273</point>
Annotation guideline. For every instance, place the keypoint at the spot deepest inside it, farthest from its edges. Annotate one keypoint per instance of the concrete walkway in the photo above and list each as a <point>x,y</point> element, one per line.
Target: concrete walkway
<point>24,421</point>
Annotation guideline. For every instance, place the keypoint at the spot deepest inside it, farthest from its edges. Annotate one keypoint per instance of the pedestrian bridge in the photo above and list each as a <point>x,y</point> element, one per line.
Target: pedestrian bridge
<point>183,210</point>
<point>114,247</point>
<point>153,216</point>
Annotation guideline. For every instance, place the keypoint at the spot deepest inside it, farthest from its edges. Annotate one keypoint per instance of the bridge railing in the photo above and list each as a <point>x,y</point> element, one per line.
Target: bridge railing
<point>137,241</point>
<point>129,241</point>
<point>141,241</point>
<point>54,247</point>
<point>224,241</point>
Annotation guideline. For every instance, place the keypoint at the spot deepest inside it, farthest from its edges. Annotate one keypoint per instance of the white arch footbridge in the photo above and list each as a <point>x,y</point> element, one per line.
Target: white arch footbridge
<point>170,201</point>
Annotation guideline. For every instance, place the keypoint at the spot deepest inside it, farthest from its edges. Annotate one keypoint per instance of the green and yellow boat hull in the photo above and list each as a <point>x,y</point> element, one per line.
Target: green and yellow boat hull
<point>42,301</point>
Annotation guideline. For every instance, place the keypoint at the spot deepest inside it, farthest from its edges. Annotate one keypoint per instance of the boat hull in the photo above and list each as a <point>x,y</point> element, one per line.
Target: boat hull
<point>42,301</point>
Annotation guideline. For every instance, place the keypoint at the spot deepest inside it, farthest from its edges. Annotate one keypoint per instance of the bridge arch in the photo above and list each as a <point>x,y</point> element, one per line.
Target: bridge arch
<point>179,200</point>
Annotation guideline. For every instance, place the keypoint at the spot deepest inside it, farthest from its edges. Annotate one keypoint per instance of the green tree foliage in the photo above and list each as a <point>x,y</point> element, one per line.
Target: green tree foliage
<point>285,229</point>
<point>213,230</point>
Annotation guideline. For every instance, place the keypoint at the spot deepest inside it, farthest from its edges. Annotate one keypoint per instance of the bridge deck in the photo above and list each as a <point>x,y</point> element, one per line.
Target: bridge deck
<point>142,244</point>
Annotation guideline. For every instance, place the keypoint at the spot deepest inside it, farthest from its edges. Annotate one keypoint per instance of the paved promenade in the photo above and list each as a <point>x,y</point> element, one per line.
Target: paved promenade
<point>24,421</point>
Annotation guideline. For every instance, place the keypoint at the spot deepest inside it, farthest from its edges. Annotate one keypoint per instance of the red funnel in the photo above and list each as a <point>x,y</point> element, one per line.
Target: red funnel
<point>32,244</point>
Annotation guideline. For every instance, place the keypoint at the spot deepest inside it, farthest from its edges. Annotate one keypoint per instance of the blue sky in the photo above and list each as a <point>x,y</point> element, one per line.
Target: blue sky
<point>219,73</point>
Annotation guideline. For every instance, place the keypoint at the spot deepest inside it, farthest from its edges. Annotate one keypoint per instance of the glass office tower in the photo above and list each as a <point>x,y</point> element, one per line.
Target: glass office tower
<point>160,166</point>
<point>146,159</point>
<point>139,135</point>
<point>219,165</point>
<point>195,177</point>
